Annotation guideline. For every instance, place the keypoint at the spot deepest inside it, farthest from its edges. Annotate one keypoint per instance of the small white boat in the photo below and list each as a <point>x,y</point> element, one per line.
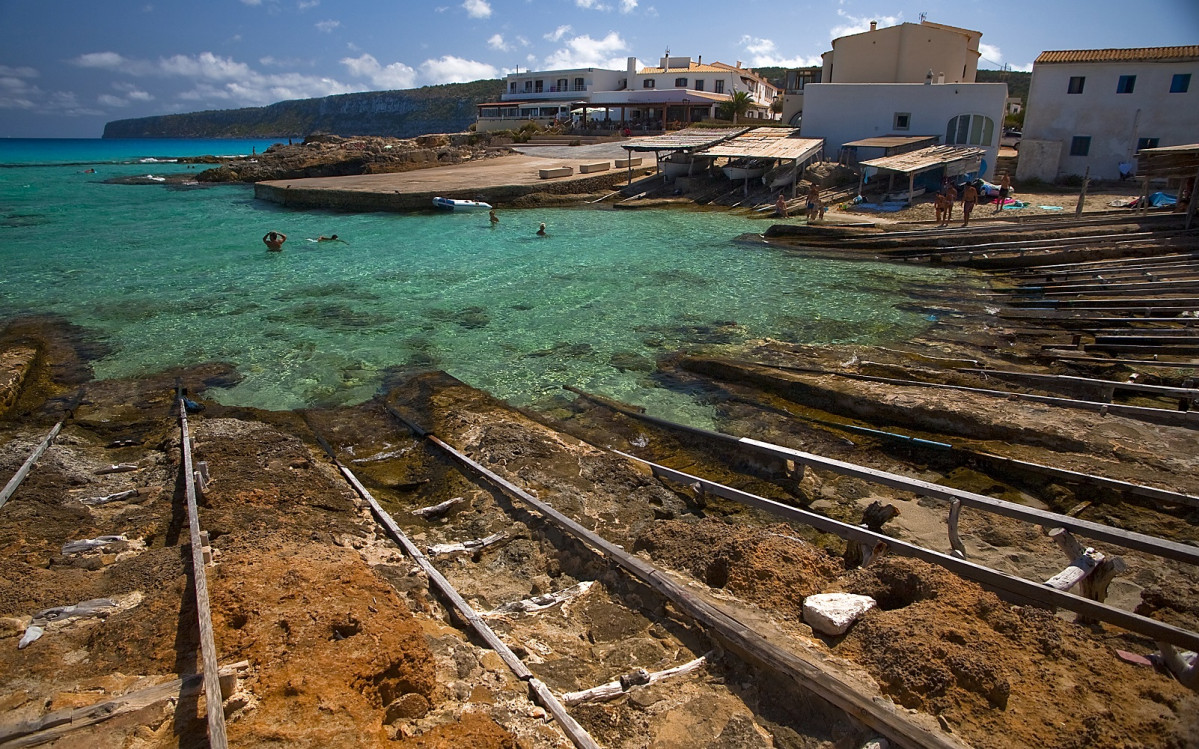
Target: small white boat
<point>451,204</point>
<point>684,165</point>
<point>744,169</point>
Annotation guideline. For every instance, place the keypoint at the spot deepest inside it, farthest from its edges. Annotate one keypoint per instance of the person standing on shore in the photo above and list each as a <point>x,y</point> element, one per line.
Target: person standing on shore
<point>1005,189</point>
<point>813,202</point>
<point>274,241</point>
<point>951,196</point>
<point>969,199</point>
<point>939,206</point>
<point>780,206</point>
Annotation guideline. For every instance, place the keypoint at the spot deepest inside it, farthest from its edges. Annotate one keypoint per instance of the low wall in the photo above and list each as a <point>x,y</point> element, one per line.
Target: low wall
<point>363,201</point>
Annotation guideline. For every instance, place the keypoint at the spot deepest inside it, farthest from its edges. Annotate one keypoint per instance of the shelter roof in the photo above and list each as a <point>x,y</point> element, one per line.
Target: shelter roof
<point>890,141</point>
<point>925,158</point>
<point>767,143</point>
<point>1135,54</point>
<point>682,140</point>
<point>1178,160</point>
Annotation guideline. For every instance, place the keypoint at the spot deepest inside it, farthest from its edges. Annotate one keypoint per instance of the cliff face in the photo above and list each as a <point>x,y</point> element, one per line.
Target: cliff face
<point>400,114</point>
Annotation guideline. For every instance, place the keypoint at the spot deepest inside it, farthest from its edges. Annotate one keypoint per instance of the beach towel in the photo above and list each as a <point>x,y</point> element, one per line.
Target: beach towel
<point>1050,207</point>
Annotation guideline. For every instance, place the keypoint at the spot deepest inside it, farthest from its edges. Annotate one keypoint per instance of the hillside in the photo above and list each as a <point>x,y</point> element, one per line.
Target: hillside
<point>431,109</point>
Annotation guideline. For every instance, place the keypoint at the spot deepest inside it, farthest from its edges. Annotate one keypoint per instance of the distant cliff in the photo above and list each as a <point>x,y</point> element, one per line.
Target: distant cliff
<point>401,114</point>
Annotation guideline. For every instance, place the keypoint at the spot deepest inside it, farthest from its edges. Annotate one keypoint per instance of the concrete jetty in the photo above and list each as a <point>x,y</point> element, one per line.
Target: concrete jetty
<point>497,181</point>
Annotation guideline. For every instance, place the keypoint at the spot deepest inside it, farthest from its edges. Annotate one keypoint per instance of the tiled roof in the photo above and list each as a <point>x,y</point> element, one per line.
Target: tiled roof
<point>695,68</point>
<point>1136,54</point>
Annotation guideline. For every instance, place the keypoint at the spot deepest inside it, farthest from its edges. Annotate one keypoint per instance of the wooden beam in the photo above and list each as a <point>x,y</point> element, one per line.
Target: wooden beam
<point>23,471</point>
<point>1008,586</point>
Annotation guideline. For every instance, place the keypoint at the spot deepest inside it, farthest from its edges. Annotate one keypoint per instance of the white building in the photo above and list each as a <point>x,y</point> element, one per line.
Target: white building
<point>1094,109</point>
<point>904,53</point>
<point>956,113</point>
<point>677,91</point>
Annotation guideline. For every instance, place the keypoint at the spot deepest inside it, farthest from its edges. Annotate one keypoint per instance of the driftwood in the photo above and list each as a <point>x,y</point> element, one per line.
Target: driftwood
<point>955,541</point>
<point>542,602</point>
<point>23,471</point>
<point>471,546</point>
<point>55,725</point>
<point>118,468</point>
<point>382,455</point>
<point>624,684</point>
<point>438,510</point>
<point>1089,567</point>
<point>87,544</point>
<point>105,499</point>
<point>860,554</point>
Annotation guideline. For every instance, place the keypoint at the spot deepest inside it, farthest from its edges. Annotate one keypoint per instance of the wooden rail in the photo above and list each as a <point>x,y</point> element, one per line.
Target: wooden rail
<point>1127,539</point>
<point>23,471</point>
<point>214,704</point>
<point>807,674</point>
<point>1006,585</point>
<point>542,695</point>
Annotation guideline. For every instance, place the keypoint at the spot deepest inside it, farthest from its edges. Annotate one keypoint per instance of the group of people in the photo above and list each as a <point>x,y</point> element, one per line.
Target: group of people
<point>274,240</point>
<point>814,207</point>
<point>943,203</point>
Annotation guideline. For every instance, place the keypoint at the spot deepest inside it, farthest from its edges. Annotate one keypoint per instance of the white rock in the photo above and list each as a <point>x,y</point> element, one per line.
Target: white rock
<point>832,613</point>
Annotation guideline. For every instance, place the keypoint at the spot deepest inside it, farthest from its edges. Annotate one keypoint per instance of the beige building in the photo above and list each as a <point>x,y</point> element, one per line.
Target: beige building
<point>905,53</point>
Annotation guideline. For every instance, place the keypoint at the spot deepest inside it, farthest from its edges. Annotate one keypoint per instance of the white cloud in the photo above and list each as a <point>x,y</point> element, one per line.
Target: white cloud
<point>252,2</point>
<point>763,52</point>
<point>477,8</point>
<point>497,42</point>
<point>584,52</point>
<point>450,69</point>
<point>558,33</point>
<point>592,5</point>
<point>21,72</point>
<point>306,4</point>
<point>393,76</point>
<point>204,65</point>
<point>855,25</point>
<point>108,60</point>
<point>109,100</point>
<point>327,26</point>
<point>628,6</point>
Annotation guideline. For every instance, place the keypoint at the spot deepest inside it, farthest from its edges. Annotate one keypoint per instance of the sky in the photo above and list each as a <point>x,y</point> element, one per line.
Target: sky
<point>69,66</point>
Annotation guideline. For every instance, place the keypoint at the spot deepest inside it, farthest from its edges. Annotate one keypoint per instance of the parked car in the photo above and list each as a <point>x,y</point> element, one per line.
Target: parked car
<point>1011,138</point>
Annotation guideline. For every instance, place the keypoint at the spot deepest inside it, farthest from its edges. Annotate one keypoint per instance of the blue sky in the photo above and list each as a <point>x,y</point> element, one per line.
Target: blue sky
<point>69,66</point>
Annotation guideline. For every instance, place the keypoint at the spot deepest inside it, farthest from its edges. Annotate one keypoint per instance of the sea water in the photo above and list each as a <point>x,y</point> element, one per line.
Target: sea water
<point>171,276</point>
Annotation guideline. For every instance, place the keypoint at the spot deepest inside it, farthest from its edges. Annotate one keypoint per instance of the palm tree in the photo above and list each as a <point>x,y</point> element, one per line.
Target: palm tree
<point>738,105</point>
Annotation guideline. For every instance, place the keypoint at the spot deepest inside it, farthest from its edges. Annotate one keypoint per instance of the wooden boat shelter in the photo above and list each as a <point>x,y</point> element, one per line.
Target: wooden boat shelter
<point>681,141</point>
<point>1170,161</point>
<point>852,153</point>
<point>954,160</point>
<point>771,143</point>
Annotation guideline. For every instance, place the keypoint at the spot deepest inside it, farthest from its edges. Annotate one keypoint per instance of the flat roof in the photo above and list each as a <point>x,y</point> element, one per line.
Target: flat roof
<point>767,143</point>
<point>683,140</point>
<point>925,158</point>
<point>890,141</point>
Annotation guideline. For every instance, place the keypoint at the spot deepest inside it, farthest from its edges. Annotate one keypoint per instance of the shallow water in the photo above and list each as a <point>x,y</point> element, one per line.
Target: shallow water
<point>175,276</point>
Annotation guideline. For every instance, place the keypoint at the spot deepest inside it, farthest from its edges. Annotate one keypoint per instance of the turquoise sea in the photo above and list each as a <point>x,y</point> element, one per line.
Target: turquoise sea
<point>169,276</point>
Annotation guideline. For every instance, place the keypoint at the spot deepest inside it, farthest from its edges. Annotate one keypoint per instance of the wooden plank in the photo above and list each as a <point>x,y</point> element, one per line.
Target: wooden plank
<point>214,704</point>
<point>1128,539</point>
<point>1187,303</point>
<point>999,582</point>
<point>60,723</point>
<point>23,471</point>
<point>1160,390</point>
<point>806,674</point>
<point>542,695</point>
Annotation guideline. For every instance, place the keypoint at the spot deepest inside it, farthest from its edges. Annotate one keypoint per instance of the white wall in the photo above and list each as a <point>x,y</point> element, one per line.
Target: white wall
<point>845,112</point>
<point>1113,121</point>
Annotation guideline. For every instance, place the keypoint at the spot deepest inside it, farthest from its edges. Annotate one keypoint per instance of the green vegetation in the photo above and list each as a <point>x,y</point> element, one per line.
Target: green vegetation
<point>449,107</point>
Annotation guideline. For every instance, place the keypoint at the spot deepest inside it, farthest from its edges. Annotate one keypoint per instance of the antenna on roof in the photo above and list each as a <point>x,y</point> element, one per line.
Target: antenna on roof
<point>922,17</point>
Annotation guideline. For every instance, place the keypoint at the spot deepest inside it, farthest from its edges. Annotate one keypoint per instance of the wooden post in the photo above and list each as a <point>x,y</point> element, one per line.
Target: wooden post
<point>1082,196</point>
<point>955,541</point>
<point>23,471</point>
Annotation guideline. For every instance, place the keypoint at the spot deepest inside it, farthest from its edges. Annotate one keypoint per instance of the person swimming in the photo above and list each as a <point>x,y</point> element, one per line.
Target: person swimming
<point>541,231</point>
<point>274,241</point>
<point>334,238</point>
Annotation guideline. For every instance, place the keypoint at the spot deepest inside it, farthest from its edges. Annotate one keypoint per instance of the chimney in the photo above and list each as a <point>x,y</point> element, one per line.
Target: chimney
<point>928,77</point>
<point>701,60</point>
<point>940,77</point>
<point>632,71</point>
<point>738,64</point>
<point>874,25</point>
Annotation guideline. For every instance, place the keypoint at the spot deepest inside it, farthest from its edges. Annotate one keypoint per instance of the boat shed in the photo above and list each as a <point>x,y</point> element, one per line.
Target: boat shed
<point>954,161</point>
<point>771,143</point>
<point>681,141</point>
<point>1181,162</point>
<point>854,152</point>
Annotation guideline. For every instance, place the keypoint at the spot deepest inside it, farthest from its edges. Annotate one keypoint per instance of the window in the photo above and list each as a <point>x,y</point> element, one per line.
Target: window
<point>699,84</point>
<point>1076,83</point>
<point>580,85</point>
<point>647,83</point>
<point>1180,83</point>
<point>528,86</point>
<point>1147,143</point>
<point>970,130</point>
<point>719,88</point>
<point>561,85</point>
<point>680,83</point>
<point>1080,145</point>
<point>903,120</point>
<point>512,87</point>
<point>1126,84</point>
<point>538,86</point>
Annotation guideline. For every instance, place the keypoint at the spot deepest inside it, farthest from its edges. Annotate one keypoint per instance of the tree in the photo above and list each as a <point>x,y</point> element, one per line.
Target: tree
<point>739,104</point>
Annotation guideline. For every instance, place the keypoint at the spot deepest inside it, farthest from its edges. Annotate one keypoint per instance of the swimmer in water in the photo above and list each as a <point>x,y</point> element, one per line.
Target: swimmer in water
<point>274,241</point>
<point>541,231</point>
